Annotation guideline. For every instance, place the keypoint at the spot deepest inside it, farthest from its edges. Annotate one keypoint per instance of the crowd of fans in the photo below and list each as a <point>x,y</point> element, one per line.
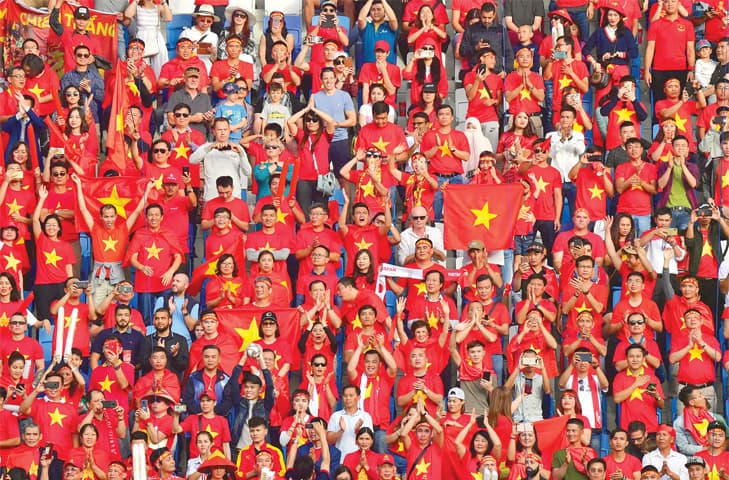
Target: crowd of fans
<point>306,180</point>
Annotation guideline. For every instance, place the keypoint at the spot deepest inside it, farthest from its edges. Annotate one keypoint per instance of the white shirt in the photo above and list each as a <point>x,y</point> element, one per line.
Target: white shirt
<point>584,395</point>
<point>565,154</point>
<point>217,163</point>
<point>676,463</point>
<point>654,252</point>
<point>408,238</point>
<point>347,443</point>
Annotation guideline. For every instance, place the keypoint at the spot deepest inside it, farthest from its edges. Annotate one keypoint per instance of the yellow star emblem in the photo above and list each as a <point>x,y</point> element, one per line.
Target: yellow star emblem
<point>445,149</point>
<point>105,385</point>
<point>118,202</point>
<point>211,268</point>
<point>666,157</point>
<point>4,320</point>
<point>356,323</point>
<point>219,251</point>
<point>476,476</point>
<point>52,258</point>
<point>578,128</point>
<point>211,432</point>
<point>420,286</point>
<point>524,93</point>
<point>281,216</point>
<point>119,120</point>
<point>368,390</point>
<point>268,247</point>
<point>596,192</point>
<point>713,474</point>
<point>57,417</point>
<point>483,216</point>
<point>422,468</point>
<point>153,251</point>
<point>133,88</point>
<point>231,287</point>
<point>483,93</point>
<point>248,335</point>
<point>368,189</point>
<point>725,179</point>
<point>637,393</point>
<point>702,426</point>
<point>37,90</point>
<point>362,244</point>
<point>564,82</point>
<point>624,115</point>
<point>381,144</point>
<point>583,308</point>
<point>33,468</point>
<point>432,320</point>
<point>181,150</point>
<point>695,353</point>
<point>532,347</point>
<point>680,122</point>
<point>158,182</point>
<point>110,244</point>
<point>706,249</point>
<point>11,263</point>
<point>542,185</point>
<point>13,207</point>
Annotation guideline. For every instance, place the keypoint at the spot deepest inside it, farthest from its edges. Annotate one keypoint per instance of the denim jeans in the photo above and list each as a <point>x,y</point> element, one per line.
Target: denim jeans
<point>579,17</point>
<point>642,224</point>
<point>680,218</point>
<point>438,198</point>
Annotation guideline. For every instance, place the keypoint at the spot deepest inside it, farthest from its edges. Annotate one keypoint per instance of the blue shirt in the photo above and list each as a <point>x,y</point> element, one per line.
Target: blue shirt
<point>335,105</point>
<point>235,113</point>
<point>371,35</point>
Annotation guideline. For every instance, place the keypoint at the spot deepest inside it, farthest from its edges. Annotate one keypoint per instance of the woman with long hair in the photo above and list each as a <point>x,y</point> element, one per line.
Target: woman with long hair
<point>226,288</point>
<point>312,143</point>
<point>81,143</point>
<point>19,153</point>
<point>522,443</point>
<point>297,418</point>
<point>364,461</point>
<point>518,140</point>
<point>377,94</point>
<point>661,150</point>
<point>321,384</point>
<point>92,456</point>
<point>500,414</point>
<point>365,270</point>
<point>317,339</point>
<point>428,103</point>
<point>204,442</point>
<point>275,32</point>
<point>241,23</point>
<point>13,382</point>
<point>10,300</point>
<point>622,231</point>
<point>569,404</point>
<point>425,28</point>
<point>484,447</point>
<point>149,15</point>
<point>426,67</point>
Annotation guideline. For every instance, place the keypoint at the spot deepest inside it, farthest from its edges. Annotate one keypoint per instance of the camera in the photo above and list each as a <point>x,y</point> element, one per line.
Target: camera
<point>186,171</point>
<point>529,361</point>
<point>314,39</point>
<point>126,289</point>
<point>109,403</point>
<point>327,21</point>
<point>52,385</point>
<point>594,157</point>
<point>704,212</point>
<point>82,284</point>
<point>180,408</point>
<point>584,357</point>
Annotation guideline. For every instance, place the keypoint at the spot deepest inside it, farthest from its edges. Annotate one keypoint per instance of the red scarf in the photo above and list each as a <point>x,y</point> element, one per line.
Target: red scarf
<point>593,391</point>
<point>696,424</point>
<point>580,457</point>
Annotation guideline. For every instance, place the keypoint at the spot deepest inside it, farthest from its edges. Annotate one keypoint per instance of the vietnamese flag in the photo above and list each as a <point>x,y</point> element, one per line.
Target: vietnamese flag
<point>115,144</point>
<point>124,193</point>
<point>481,212</point>
<point>551,437</point>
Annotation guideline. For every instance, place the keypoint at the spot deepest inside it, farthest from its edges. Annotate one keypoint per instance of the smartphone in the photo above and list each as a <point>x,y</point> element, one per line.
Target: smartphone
<point>186,171</point>
<point>348,62</point>
<point>528,385</point>
<point>481,69</point>
<point>314,39</point>
<point>126,289</point>
<point>671,232</point>
<point>529,361</point>
<point>52,385</point>
<point>584,357</point>
<point>82,284</point>
<point>180,408</point>
<point>651,386</point>
<point>427,53</point>
<point>486,376</point>
<point>144,404</point>
<point>326,21</point>
<point>559,55</point>
<point>719,120</point>
<point>109,403</point>
<point>309,426</point>
<point>47,449</point>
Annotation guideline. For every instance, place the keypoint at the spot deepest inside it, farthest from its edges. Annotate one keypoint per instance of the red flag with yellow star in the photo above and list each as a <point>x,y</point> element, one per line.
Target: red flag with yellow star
<point>123,192</point>
<point>481,212</point>
<point>115,144</point>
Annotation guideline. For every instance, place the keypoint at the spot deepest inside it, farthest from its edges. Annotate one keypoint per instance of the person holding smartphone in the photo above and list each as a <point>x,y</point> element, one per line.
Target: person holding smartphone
<point>530,383</point>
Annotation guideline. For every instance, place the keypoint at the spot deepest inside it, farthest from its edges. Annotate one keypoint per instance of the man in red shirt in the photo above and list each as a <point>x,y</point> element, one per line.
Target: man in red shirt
<point>581,221</point>
<point>361,235</point>
<point>621,107</point>
<point>446,149</point>
<point>20,342</point>
<point>524,90</point>
<point>70,39</point>
<point>380,72</point>
<point>715,454</point>
<point>184,141</point>
<point>85,326</point>
<point>172,74</point>
<point>635,181</point>
<point>634,301</point>
<point>670,51</point>
<point>240,214</point>
<point>114,377</point>
<point>274,237</point>
<point>548,182</point>
<point>156,254</point>
<point>412,287</point>
<point>565,72</point>
<point>27,454</point>
<point>281,64</point>
<point>176,208</point>
<point>353,299</point>
<point>159,379</point>
<point>619,461</point>
<point>314,233</point>
<point>636,336</point>
<point>420,384</point>
<point>680,108</point>
<point>594,184</point>
<point>485,91</point>
<point>638,392</point>
<point>232,68</point>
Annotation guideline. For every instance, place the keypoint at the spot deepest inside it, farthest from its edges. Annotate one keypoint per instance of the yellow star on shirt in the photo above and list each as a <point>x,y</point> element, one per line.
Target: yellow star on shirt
<point>564,82</point>
<point>381,144</point>
<point>422,467</point>
<point>248,335</point>
<point>37,90</point>
<point>476,476</point>
<point>118,202</point>
<point>13,207</point>
<point>11,263</point>
<point>695,353</point>
<point>596,192</point>
<point>110,244</point>
<point>624,115</point>
<point>363,245</point>
<point>33,469</point>
<point>368,189</point>
<point>219,251</point>
<point>211,432</point>
<point>212,266</point>
<point>706,249</point>
<point>542,185</point>
<point>483,216</point>
<point>524,93</point>
<point>702,426</point>
<point>158,182</point>
<point>356,323</point>
<point>637,393</point>
<point>4,320</point>
<point>420,287</point>
<point>713,474</point>
<point>153,251</point>
<point>725,179</point>
<point>268,247</point>
<point>52,258</point>
<point>106,384</point>
<point>231,287</point>
<point>680,122</point>
<point>281,216</point>
<point>483,93</point>
<point>578,128</point>
<point>432,320</point>
<point>538,350</point>
<point>445,149</point>
<point>181,150</point>
<point>57,417</point>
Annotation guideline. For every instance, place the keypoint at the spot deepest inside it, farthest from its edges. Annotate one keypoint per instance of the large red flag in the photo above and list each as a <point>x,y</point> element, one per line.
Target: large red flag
<point>124,193</point>
<point>481,212</point>
<point>550,434</point>
<point>115,144</point>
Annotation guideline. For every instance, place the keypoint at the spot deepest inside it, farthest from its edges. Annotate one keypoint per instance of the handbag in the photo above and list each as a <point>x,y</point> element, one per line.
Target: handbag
<point>325,183</point>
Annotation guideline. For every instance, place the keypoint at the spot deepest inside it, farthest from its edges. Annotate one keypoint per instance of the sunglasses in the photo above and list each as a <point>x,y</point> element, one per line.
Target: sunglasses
<point>312,120</point>
<point>17,322</point>
<point>419,217</point>
<point>159,150</point>
<point>316,364</point>
<point>182,115</point>
<point>374,154</point>
<point>328,10</point>
<point>339,61</point>
<point>73,94</point>
<point>240,15</point>
<point>538,150</point>
<point>636,322</point>
<point>83,55</point>
<point>59,174</point>
<point>271,147</point>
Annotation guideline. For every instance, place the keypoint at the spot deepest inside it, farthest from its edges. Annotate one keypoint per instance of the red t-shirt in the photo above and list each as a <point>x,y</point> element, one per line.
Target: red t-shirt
<point>591,194</point>
<point>51,260</point>
<point>635,200</point>
<point>683,117</point>
<point>289,84</point>
<point>443,162</point>
<point>671,37</point>
<point>217,425</point>
<point>176,211</point>
<point>525,101</point>
<point>82,337</point>
<point>629,466</point>
<point>489,89</point>
<point>369,74</point>
<point>237,207</point>
<point>182,143</point>
<point>29,347</point>
<point>639,405</point>
<point>377,396</point>
<point>222,70</point>
<point>696,367</point>
<point>156,250</point>
<point>548,179</point>
<point>708,264</point>
<point>57,421</point>
<point>361,238</point>
<point>109,244</point>
<point>647,307</point>
<point>21,202</point>
<point>64,201</point>
<point>432,382</point>
<point>562,80</point>
<point>623,111</point>
<point>313,150</point>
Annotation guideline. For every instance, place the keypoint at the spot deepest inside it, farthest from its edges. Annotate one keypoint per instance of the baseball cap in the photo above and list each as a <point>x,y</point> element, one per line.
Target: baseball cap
<point>457,393</point>
<point>171,178</point>
<point>430,88</point>
<point>696,460</point>
<point>269,317</point>
<point>703,43</point>
<point>536,247</point>
<point>475,245</point>
<point>716,425</point>
<point>386,459</point>
<point>207,393</point>
<point>192,72</point>
<point>231,87</point>
<point>327,2</point>
<point>82,13</point>
<point>382,45</point>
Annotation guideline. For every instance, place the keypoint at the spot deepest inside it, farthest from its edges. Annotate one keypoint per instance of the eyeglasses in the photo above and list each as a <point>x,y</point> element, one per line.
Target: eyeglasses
<point>17,322</point>
<point>240,15</point>
<point>271,147</point>
<point>419,217</point>
<point>83,55</point>
<point>312,120</point>
<point>59,174</point>
<point>538,150</point>
<point>339,61</point>
<point>73,94</point>
<point>317,364</point>
<point>428,48</point>
<point>268,324</point>
<point>181,115</point>
<point>636,322</point>
<point>374,154</point>
<point>18,75</point>
<point>317,255</point>
<point>205,20</point>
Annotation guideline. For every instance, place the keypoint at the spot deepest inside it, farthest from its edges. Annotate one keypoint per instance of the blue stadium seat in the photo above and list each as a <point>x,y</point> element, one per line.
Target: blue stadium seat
<point>174,29</point>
